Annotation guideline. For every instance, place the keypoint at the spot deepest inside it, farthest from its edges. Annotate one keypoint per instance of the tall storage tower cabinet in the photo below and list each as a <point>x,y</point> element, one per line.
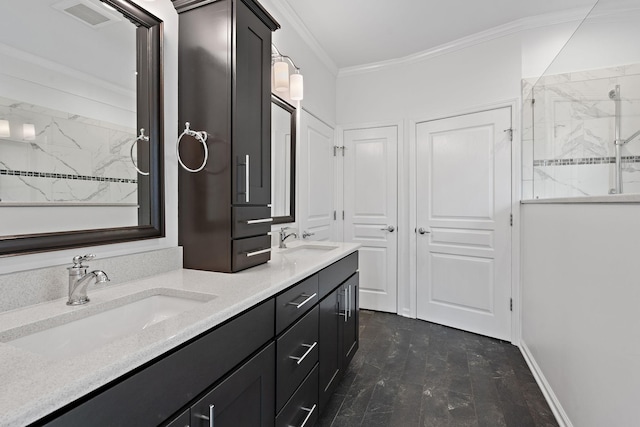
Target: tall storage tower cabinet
<point>225,90</point>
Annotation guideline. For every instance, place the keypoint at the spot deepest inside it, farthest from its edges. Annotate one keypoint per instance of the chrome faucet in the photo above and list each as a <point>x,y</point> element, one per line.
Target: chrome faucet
<point>79,279</point>
<point>284,236</point>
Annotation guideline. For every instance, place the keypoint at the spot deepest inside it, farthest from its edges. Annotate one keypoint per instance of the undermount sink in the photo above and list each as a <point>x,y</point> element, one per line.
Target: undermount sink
<point>308,249</point>
<point>88,333</point>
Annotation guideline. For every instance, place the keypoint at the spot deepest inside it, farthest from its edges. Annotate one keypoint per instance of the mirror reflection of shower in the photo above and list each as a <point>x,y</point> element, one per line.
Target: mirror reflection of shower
<point>618,142</point>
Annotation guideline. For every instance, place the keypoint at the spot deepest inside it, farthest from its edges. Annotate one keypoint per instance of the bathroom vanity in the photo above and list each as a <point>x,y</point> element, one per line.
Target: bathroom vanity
<point>263,347</point>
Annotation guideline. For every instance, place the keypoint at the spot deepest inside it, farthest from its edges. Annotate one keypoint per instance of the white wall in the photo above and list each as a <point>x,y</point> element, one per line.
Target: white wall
<point>580,299</point>
<point>164,10</point>
<point>444,84</point>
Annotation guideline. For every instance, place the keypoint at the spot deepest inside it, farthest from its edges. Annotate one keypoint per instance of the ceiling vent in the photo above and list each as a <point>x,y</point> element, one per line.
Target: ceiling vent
<point>95,15</point>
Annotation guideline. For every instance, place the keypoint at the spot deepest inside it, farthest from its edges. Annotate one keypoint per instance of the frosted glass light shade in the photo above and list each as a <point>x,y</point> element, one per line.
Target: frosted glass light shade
<point>28,132</point>
<point>5,131</point>
<point>296,87</point>
<point>281,76</point>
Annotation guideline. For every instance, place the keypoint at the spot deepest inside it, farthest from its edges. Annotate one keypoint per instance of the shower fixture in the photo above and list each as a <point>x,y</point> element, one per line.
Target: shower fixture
<point>618,142</point>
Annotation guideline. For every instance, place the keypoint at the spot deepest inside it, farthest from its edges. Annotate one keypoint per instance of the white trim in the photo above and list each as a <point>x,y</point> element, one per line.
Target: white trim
<point>516,26</point>
<point>545,387</point>
<point>338,140</point>
<point>516,232</point>
<point>285,9</point>
<point>413,219</point>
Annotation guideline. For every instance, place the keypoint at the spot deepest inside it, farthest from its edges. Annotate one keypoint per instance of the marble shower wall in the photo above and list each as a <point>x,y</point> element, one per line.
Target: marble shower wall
<point>569,129</point>
<point>68,158</point>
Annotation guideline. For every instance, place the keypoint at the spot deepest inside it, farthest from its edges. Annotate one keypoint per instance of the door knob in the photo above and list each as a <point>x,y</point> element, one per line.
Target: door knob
<point>390,229</point>
<point>423,231</point>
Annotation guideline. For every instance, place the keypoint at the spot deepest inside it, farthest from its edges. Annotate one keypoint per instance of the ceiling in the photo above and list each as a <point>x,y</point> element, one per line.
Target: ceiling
<point>358,32</point>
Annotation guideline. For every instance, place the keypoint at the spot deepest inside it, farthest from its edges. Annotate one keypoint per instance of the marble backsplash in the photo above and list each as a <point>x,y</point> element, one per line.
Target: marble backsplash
<point>53,156</point>
<point>569,129</point>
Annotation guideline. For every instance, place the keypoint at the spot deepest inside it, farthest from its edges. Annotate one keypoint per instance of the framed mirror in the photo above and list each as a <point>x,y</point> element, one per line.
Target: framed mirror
<point>283,161</point>
<point>80,79</point>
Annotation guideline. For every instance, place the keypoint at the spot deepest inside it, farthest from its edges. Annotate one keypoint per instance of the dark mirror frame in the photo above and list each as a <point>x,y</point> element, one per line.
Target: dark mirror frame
<point>292,179</point>
<point>150,188</point>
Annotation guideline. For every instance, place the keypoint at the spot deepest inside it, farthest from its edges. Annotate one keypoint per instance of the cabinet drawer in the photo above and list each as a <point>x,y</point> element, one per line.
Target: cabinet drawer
<point>245,398</point>
<point>151,395</point>
<point>250,252</point>
<point>297,354</point>
<point>250,221</point>
<point>182,420</point>
<point>293,303</point>
<point>337,273</point>
<point>302,409</point>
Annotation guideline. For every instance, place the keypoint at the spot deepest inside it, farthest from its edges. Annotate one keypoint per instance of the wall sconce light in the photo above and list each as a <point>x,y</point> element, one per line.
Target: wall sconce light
<point>28,131</point>
<point>281,78</point>
<point>5,130</point>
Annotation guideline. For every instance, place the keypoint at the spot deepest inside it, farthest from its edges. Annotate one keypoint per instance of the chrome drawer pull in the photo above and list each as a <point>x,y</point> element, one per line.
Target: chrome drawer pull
<point>310,411</point>
<point>210,418</point>
<point>259,221</point>
<point>309,298</point>
<point>306,353</point>
<point>246,188</point>
<point>260,252</point>
<point>346,304</point>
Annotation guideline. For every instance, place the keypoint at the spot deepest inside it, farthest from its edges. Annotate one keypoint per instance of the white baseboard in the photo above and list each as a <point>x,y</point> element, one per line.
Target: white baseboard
<point>549,395</point>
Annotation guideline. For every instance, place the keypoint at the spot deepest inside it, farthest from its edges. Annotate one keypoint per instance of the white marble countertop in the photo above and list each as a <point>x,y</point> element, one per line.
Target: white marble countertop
<point>34,386</point>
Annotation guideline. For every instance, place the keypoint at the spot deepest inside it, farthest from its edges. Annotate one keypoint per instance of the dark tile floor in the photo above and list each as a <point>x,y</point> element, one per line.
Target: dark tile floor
<point>413,373</point>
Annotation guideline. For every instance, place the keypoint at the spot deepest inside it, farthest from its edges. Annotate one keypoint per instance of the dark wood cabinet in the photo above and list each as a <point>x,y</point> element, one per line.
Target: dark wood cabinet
<point>330,335</point>
<point>251,131</point>
<point>245,398</point>
<point>338,328</point>
<point>224,89</point>
<point>350,336</point>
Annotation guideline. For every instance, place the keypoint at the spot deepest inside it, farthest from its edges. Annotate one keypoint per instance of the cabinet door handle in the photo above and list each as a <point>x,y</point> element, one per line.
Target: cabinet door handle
<point>346,311</point>
<point>310,348</point>
<point>246,178</point>
<point>310,411</point>
<point>210,418</point>
<point>258,221</point>
<point>308,298</point>
<point>260,252</point>
<point>349,304</point>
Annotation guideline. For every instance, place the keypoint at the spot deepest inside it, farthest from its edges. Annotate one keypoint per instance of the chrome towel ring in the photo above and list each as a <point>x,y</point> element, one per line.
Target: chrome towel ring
<point>200,136</point>
<point>141,137</point>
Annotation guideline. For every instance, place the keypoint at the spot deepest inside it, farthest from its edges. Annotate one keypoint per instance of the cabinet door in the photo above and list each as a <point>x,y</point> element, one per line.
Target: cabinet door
<point>245,398</point>
<point>330,352</point>
<point>252,109</point>
<point>351,324</point>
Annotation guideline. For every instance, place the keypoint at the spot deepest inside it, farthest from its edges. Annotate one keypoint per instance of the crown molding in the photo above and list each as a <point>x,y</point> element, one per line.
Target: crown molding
<point>284,8</point>
<point>524,24</point>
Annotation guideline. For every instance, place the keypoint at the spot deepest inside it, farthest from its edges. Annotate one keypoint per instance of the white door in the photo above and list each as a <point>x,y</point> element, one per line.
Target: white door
<point>371,211</point>
<point>317,177</point>
<point>463,201</point>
